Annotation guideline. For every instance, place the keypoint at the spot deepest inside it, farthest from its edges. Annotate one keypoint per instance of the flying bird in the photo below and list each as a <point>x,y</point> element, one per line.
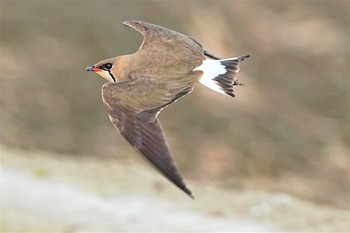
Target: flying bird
<point>165,68</point>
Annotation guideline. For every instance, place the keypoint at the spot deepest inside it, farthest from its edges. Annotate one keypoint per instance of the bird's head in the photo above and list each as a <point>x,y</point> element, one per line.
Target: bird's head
<point>104,69</point>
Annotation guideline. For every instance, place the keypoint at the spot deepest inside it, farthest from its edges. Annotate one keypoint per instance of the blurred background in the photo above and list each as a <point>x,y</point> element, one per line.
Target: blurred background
<point>286,131</point>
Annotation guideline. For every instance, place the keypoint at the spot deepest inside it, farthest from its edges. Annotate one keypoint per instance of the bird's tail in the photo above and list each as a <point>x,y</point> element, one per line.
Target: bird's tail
<point>220,75</point>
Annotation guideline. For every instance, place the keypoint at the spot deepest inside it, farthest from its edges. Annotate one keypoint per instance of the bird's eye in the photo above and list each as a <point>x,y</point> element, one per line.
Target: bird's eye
<point>107,66</point>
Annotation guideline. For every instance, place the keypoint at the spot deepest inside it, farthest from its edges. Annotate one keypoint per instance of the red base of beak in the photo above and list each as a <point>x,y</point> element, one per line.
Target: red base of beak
<point>92,68</point>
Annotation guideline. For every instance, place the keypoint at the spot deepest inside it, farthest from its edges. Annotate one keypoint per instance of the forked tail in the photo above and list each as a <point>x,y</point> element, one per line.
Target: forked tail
<point>220,75</point>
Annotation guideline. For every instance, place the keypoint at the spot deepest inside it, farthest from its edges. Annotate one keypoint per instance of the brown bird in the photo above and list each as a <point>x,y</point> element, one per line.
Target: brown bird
<point>165,68</point>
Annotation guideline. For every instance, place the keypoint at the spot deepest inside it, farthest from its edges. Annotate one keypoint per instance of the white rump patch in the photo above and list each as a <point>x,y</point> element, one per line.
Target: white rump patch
<point>211,69</point>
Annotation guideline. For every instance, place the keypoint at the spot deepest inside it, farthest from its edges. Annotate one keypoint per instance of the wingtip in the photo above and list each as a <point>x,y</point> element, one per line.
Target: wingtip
<point>130,22</point>
<point>126,22</point>
<point>242,58</point>
<point>188,192</point>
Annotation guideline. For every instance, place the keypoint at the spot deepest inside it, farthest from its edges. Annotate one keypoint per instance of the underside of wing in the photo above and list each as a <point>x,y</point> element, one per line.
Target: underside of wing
<point>148,139</point>
<point>133,110</point>
<point>145,95</point>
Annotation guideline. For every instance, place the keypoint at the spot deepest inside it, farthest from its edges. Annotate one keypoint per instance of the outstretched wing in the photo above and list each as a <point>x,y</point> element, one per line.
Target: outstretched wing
<point>161,40</point>
<point>147,96</point>
<point>133,107</point>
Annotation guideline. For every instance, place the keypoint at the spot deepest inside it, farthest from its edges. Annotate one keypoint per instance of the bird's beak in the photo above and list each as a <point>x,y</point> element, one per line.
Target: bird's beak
<point>92,68</point>
<point>89,68</point>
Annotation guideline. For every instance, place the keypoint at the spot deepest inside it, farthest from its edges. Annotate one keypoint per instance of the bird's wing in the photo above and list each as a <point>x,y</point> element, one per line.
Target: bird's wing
<point>133,107</point>
<point>158,39</point>
<point>147,96</point>
<point>147,30</point>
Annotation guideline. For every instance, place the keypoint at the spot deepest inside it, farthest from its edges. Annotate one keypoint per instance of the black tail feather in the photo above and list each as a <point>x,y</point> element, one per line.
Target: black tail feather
<point>228,80</point>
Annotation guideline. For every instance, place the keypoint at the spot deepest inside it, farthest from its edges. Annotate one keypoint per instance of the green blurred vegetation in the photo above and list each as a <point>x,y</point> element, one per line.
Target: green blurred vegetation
<point>287,129</point>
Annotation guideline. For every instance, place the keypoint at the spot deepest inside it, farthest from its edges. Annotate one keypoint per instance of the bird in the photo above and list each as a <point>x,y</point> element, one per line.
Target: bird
<point>166,67</point>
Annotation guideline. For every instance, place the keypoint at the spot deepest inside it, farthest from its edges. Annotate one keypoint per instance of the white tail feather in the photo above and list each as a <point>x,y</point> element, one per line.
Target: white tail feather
<point>220,75</point>
<point>211,69</point>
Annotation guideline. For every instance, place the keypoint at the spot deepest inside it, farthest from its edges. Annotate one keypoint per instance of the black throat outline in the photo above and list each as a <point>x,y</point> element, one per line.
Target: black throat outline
<point>109,71</point>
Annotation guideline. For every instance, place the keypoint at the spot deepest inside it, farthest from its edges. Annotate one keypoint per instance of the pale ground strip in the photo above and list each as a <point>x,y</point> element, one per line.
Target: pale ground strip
<point>48,192</point>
